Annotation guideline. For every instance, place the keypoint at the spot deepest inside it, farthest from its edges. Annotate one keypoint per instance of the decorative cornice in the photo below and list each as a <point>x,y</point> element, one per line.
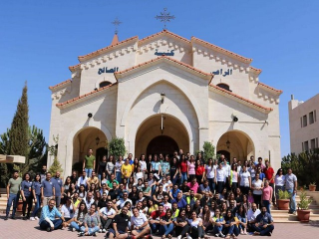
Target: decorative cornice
<point>84,97</point>
<point>60,85</point>
<point>107,49</point>
<point>75,67</point>
<point>269,88</point>
<point>240,98</point>
<point>202,74</point>
<point>222,50</point>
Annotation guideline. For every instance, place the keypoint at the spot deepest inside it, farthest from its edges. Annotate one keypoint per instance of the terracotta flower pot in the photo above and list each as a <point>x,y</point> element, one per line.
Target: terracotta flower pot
<point>283,204</point>
<point>312,187</point>
<point>19,207</point>
<point>303,215</point>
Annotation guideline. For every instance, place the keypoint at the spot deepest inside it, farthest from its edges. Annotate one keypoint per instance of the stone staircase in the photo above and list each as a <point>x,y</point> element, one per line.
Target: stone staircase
<point>282,216</point>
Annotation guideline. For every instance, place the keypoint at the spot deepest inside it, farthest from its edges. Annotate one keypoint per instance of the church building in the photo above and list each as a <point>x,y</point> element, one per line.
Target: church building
<point>163,93</point>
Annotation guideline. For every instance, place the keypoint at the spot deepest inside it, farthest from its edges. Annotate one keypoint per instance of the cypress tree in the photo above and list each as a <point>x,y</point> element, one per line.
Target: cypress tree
<point>18,144</point>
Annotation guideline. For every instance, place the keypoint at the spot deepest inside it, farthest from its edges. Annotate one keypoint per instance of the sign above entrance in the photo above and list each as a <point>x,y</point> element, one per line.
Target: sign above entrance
<point>226,73</point>
<point>105,70</point>
<point>168,53</point>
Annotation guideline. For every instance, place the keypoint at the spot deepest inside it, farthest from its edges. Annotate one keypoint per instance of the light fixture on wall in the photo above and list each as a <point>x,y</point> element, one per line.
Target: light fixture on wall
<point>97,140</point>
<point>228,143</point>
<point>162,97</point>
<point>162,123</point>
<point>90,115</point>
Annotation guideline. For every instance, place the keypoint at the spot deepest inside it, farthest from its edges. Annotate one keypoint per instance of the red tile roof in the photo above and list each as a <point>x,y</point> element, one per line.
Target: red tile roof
<point>60,84</point>
<point>269,87</point>
<point>222,50</point>
<point>164,32</point>
<point>115,40</point>
<point>241,98</point>
<point>84,96</point>
<point>73,68</point>
<point>98,52</point>
<point>168,59</point>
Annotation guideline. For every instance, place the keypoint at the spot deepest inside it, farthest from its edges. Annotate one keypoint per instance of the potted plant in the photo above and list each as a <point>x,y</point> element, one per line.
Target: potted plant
<point>312,186</point>
<point>302,212</point>
<point>283,201</point>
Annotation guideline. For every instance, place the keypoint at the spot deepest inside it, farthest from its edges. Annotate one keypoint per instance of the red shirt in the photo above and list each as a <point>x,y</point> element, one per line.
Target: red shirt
<point>269,172</point>
<point>200,170</point>
<point>184,167</point>
<point>156,215</point>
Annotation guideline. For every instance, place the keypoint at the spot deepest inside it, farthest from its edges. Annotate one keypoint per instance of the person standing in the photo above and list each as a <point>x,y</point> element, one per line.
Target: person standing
<point>89,163</point>
<point>36,191</point>
<point>43,172</point>
<point>26,193</point>
<point>267,195</point>
<point>47,190</point>
<point>270,176</point>
<point>244,180</point>
<point>118,166</point>
<point>48,219</point>
<point>101,167</point>
<point>279,183</point>
<point>58,186</point>
<point>257,187</point>
<point>13,194</point>
<point>220,178</point>
<point>291,187</point>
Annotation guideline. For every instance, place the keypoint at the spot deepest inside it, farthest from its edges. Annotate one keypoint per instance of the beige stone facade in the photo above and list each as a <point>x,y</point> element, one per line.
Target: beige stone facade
<point>304,124</point>
<point>194,89</point>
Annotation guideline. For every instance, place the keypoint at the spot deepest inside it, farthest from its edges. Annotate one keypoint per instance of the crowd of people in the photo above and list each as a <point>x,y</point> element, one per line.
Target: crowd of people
<point>168,196</point>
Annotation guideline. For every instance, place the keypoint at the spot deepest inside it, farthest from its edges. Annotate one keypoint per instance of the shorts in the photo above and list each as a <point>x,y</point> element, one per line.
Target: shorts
<point>111,230</point>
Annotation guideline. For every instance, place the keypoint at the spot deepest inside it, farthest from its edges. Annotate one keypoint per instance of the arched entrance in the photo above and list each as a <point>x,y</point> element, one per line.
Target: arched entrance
<point>151,139</point>
<point>88,138</point>
<point>237,144</point>
<point>162,144</point>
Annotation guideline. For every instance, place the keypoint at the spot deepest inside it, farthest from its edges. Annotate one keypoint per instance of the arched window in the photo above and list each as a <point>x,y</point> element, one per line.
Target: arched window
<point>104,83</point>
<point>224,86</point>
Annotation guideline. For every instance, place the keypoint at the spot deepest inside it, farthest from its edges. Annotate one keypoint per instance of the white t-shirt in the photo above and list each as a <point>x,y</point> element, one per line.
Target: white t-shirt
<point>251,215</point>
<point>88,203</point>
<point>167,206</point>
<point>227,170</point>
<point>280,180</point>
<point>220,175</point>
<point>66,211</point>
<point>210,171</point>
<point>139,220</point>
<point>194,223</point>
<point>257,184</point>
<point>118,166</point>
<point>244,179</point>
<point>252,172</point>
<point>138,176</point>
<point>107,212</point>
<point>122,202</point>
<point>143,165</point>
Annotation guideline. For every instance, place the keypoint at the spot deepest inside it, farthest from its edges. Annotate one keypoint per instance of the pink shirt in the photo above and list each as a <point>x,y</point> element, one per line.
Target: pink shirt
<point>191,168</point>
<point>193,187</point>
<point>267,191</point>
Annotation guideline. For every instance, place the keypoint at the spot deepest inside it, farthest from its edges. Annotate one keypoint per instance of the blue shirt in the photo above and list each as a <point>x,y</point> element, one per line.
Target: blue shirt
<point>181,203</point>
<point>26,187</point>
<point>202,188</point>
<point>264,219</point>
<point>50,214</point>
<point>174,193</point>
<point>36,186</point>
<point>47,188</point>
<point>58,185</point>
<point>262,176</point>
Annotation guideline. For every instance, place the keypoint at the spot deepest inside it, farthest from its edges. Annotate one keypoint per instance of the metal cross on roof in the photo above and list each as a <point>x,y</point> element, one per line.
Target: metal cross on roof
<point>165,17</point>
<point>116,23</point>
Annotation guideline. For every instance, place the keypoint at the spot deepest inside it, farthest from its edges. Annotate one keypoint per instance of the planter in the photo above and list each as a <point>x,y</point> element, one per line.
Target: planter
<point>19,207</point>
<point>283,204</point>
<point>312,188</point>
<point>303,215</point>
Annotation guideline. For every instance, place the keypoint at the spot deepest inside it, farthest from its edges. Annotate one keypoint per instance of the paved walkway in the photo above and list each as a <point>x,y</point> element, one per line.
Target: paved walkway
<point>14,229</point>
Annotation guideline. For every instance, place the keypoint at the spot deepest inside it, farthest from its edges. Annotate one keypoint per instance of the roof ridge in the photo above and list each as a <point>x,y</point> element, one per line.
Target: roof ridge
<point>84,96</point>
<point>165,32</point>
<point>241,98</point>
<point>60,84</point>
<point>245,59</point>
<point>269,87</point>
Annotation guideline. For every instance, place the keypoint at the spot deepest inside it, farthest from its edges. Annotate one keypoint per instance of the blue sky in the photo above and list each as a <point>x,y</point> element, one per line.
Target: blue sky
<point>40,39</point>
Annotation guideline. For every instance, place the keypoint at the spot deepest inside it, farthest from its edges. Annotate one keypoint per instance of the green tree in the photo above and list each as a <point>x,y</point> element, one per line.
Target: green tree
<point>53,149</point>
<point>209,150</point>
<point>117,147</point>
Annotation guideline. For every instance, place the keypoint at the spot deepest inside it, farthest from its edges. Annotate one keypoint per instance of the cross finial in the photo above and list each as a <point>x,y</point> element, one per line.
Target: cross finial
<point>116,23</point>
<point>165,17</point>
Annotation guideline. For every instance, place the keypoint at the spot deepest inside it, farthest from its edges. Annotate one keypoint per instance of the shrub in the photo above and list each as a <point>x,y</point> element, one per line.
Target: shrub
<point>117,147</point>
<point>304,201</point>
<point>283,194</point>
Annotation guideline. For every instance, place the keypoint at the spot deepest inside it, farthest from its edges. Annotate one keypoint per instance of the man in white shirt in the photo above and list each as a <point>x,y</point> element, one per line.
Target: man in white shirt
<point>226,168</point>
<point>82,180</point>
<point>120,203</point>
<point>106,215</point>
<point>89,200</point>
<point>166,203</point>
<point>252,214</point>
<point>139,224</point>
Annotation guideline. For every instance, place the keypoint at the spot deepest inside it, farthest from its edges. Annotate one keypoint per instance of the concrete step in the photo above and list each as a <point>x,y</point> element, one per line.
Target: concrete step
<point>275,212</point>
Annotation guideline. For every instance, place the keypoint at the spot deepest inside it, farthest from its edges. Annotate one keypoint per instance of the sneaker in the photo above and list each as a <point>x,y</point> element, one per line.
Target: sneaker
<point>73,229</point>
<point>6,218</point>
<point>36,218</point>
<point>48,229</point>
<point>188,236</point>
<point>81,234</point>
<point>25,218</point>
<point>13,218</point>
<point>217,235</point>
<point>100,231</point>
<point>32,219</point>
<point>94,234</point>
<point>221,235</point>
<point>179,237</point>
<point>103,230</point>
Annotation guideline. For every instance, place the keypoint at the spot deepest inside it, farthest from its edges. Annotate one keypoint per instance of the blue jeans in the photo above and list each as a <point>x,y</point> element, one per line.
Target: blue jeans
<point>292,203</point>
<point>73,224</point>
<point>88,172</point>
<point>231,230</point>
<point>37,206</point>
<point>119,177</point>
<point>91,229</point>
<point>155,227</point>
<point>266,203</point>
<point>217,229</point>
<point>166,229</point>
<point>211,184</point>
<point>241,219</point>
<point>57,223</point>
<point>183,177</point>
<point>13,198</point>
